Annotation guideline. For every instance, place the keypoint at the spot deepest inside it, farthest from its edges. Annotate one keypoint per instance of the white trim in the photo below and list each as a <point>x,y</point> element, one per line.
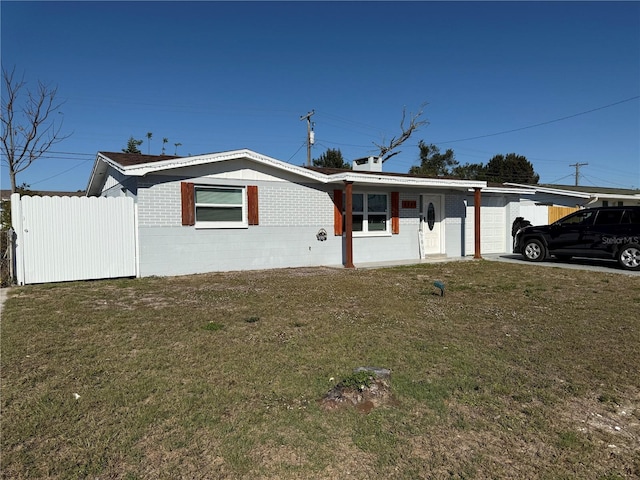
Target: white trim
<point>557,191</point>
<point>506,190</point>
<point>574,193</point>
<point>365,215</point>
<point>350,176</point>
<point>204,224</point>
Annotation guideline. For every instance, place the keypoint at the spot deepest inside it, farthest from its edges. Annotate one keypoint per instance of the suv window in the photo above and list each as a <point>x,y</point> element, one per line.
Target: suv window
<point>609,217</point>
<point>631,216</point>
<point>578,218</point>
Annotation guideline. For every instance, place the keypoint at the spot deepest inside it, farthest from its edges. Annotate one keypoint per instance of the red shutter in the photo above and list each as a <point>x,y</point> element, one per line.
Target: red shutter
<point>337,212</point>
<point>188,203</point>
<point>395,212</point>
<point>252,205</point>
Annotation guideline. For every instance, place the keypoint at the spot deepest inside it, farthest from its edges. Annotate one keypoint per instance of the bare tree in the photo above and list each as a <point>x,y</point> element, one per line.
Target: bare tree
<point>386,151</point>
<point>28,131</point>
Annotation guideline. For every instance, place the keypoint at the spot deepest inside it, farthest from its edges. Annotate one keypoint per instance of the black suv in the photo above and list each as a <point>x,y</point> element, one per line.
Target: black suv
<point>603,232</point>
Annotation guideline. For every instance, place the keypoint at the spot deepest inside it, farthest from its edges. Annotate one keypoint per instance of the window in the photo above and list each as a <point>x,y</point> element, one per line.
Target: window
<point>631,216</point>
<point>431,216</point>
<point>578,218</point>
<point>609,217</point>
<point>220,205</point>
<point>370,213</point>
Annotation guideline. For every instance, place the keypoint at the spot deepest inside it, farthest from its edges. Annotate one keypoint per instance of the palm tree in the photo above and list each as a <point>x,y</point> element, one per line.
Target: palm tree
<point>149,135</point>
<point>164,140</point>
<point>177,145</point>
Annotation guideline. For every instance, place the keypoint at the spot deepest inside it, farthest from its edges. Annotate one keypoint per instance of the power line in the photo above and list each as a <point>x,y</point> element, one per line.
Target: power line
<point>296,152</point>
<point>58,174</point>
<point>606,181</point>
<point>561,178</point>
<point>542,123</point>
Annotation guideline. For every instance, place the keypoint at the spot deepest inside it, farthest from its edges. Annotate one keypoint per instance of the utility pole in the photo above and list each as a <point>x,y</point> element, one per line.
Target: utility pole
<point>309,135</point>
<point>578,165</point>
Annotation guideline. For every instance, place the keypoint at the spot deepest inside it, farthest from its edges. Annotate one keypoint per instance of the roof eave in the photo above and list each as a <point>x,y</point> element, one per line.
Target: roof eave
<point>556,191</point>
<point>509,190</point>
<point>370,179</point>
<point>153,167</point>
<point>98,173</point>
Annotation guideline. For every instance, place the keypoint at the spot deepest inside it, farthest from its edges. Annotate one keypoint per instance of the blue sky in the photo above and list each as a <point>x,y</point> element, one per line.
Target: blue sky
<point>561,78</point>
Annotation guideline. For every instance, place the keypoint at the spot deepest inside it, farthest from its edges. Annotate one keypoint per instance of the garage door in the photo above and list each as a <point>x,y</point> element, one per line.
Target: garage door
<point>493,233</point>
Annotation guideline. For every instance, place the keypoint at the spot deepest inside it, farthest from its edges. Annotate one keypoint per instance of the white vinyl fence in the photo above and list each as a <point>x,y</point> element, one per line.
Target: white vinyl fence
<point>73,238</point>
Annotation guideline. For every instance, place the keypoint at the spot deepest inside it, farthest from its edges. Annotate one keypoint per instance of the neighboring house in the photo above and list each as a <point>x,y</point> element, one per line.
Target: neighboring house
<point>5,195</point>
<point>240,210</point>
<point>547,203</point>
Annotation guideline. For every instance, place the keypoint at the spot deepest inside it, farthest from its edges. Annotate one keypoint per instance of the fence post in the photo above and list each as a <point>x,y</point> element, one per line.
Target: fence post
<point>11,255</point>
<point>16,223</point>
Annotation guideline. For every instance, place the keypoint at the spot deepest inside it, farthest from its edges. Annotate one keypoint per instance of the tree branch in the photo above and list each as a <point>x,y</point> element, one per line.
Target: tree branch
<point>27,137</point>
<point>415,123</point>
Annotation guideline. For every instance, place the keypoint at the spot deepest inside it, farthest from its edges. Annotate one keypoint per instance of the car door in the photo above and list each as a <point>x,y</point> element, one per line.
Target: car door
<point>606,226</point>
<point>571,235</point>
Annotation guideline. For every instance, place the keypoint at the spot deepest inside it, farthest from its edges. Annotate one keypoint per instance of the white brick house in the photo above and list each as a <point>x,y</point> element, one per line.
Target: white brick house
<point>240,210</point>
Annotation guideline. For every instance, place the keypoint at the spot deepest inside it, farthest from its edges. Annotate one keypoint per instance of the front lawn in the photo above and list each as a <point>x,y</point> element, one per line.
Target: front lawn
<point>518,372</point>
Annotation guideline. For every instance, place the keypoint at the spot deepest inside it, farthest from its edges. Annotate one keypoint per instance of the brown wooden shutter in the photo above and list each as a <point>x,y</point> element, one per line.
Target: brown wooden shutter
<point>252,205</point>
<point>337,212</point>
<point>395,212</point>
<point>188,203</point>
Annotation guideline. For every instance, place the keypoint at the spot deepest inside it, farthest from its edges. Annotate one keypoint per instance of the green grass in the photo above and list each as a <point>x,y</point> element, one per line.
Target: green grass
<point>519,372</point>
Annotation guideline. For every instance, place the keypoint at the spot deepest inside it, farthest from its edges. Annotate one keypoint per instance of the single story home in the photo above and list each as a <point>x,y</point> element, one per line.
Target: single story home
<point>240,210</point>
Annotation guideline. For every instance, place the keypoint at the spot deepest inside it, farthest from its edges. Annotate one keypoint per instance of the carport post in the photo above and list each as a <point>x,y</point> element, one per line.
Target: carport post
<point>477,201</point>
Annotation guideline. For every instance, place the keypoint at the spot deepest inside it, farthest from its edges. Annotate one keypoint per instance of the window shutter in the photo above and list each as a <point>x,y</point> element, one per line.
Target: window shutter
<point>395,212</point>
<point>337,212</point>
<point>252,205</point>
<point>188,203</point>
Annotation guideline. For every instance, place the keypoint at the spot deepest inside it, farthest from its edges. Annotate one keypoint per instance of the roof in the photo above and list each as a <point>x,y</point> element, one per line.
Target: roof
<point>583,192</point>
<point>490,187</point>
<point>599,190</point>
<point>138,165</point>
<point>128,159</point>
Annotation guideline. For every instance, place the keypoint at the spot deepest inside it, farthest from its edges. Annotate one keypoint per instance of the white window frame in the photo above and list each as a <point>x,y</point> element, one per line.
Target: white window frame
<point>365,215</point>
<point>222,224</point>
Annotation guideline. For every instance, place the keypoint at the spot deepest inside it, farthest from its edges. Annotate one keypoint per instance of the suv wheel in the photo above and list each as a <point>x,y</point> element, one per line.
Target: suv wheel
<point>629,256</point>
<point>534,250</point>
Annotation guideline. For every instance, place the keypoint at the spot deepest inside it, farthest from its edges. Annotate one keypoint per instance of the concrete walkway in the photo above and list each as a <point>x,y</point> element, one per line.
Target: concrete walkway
<point>3,296</point>
<point>589,264</point>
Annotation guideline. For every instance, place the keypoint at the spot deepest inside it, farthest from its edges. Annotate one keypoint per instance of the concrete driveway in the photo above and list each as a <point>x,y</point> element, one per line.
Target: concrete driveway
<point>590,264</point>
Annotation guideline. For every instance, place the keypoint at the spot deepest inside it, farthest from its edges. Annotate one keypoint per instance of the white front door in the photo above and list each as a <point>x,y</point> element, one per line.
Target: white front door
<point>432,224</point>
